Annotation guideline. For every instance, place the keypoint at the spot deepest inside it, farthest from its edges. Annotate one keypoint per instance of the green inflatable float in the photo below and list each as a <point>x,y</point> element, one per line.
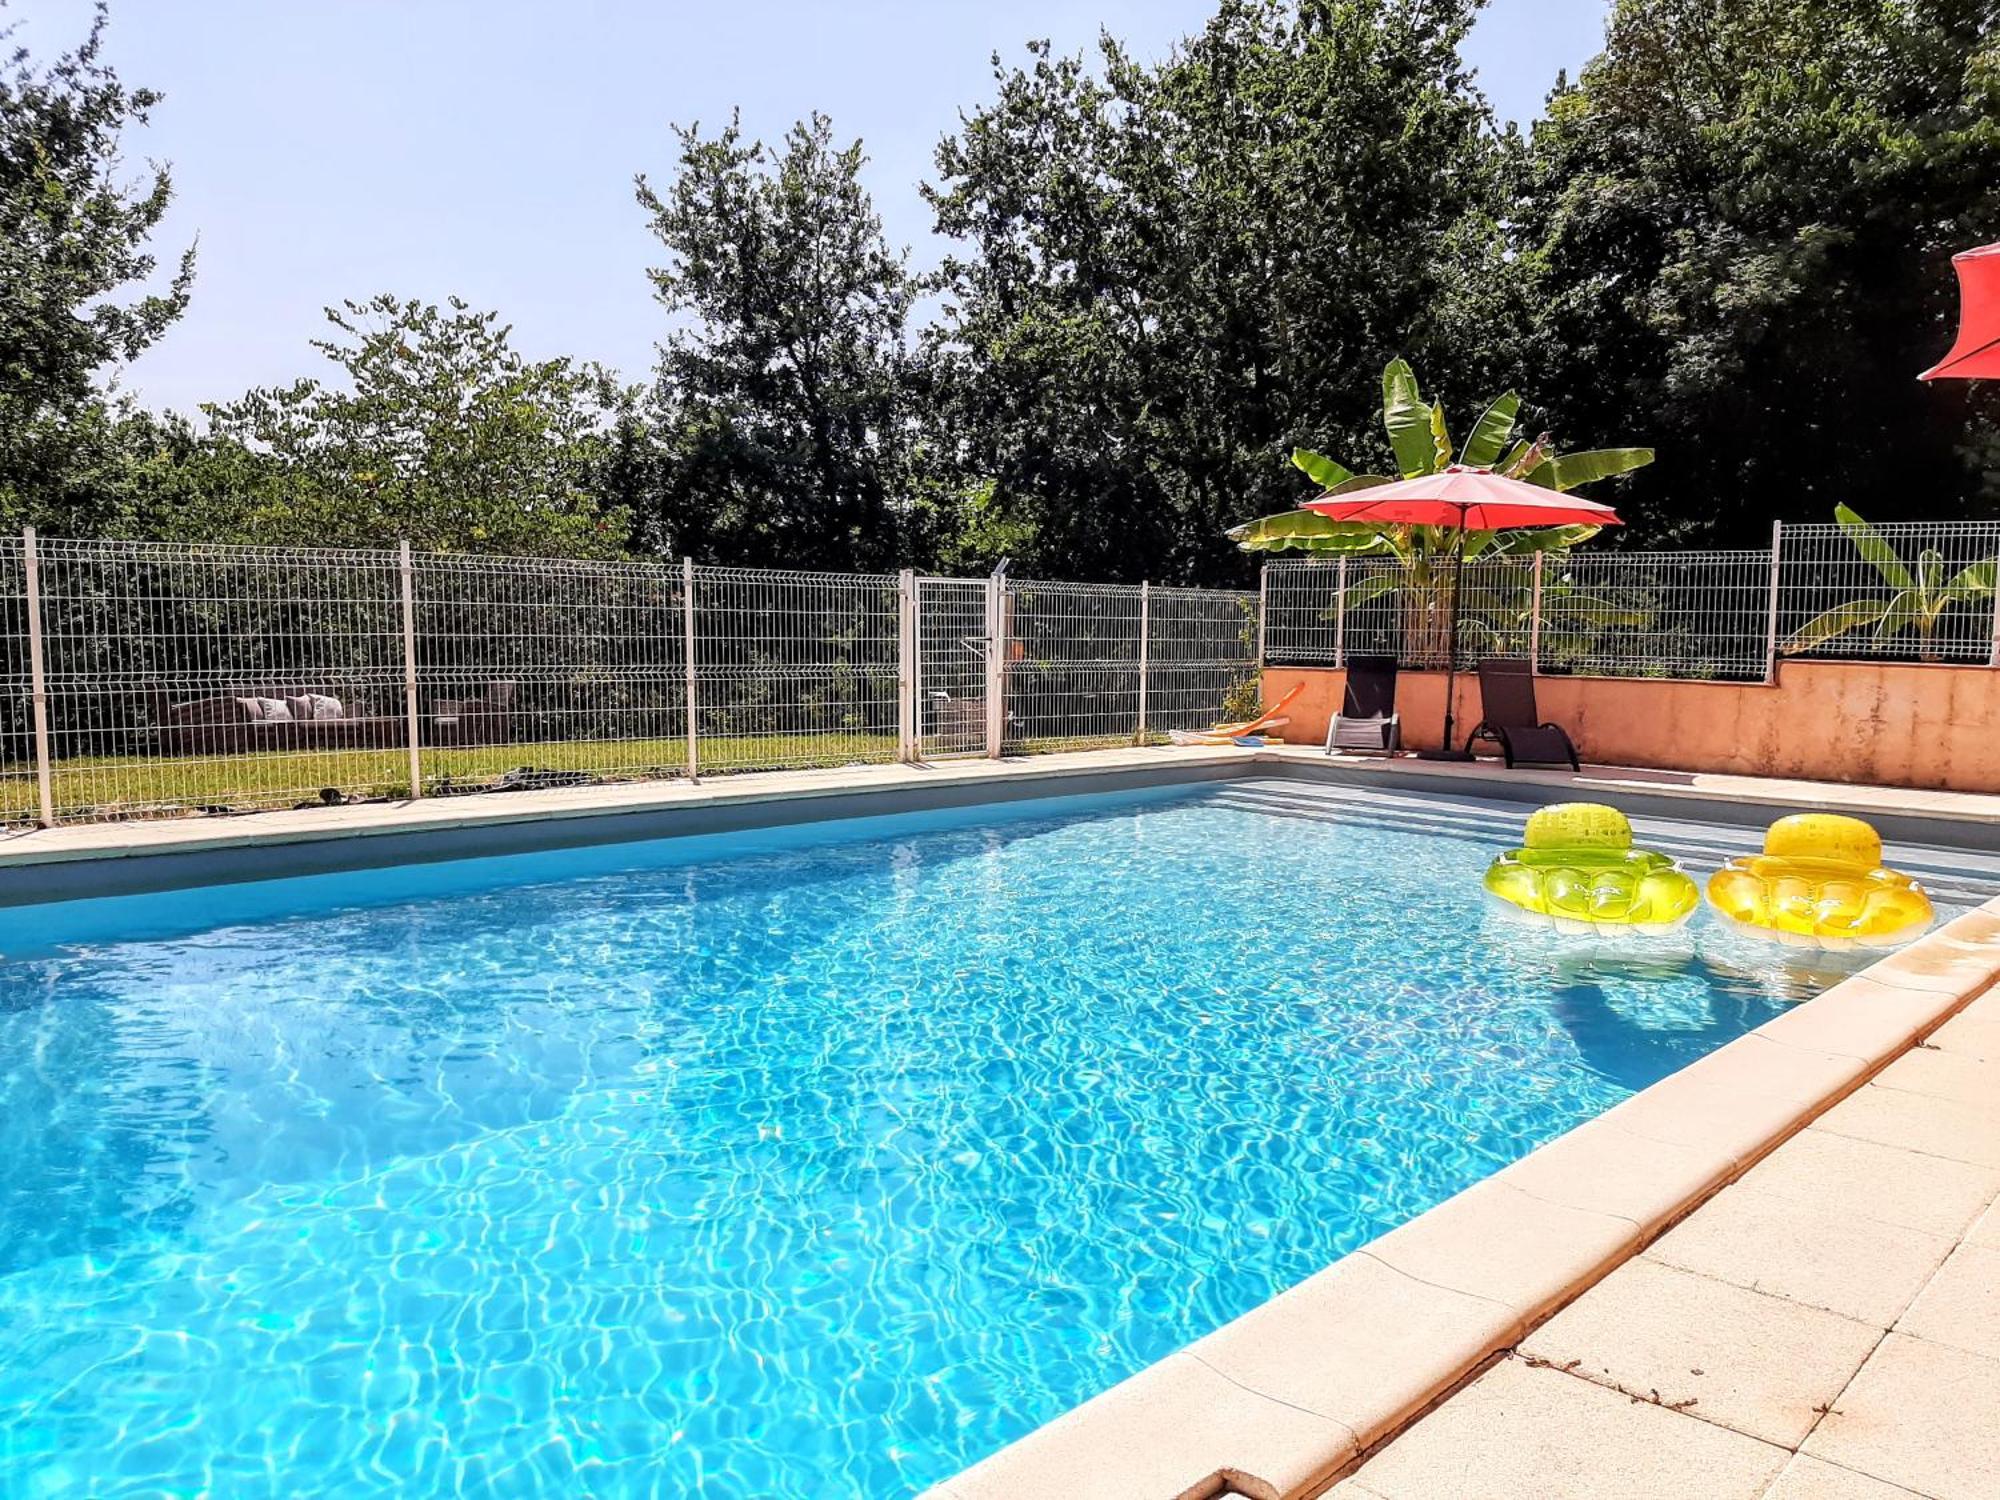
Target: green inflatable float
<point>1578,871</point>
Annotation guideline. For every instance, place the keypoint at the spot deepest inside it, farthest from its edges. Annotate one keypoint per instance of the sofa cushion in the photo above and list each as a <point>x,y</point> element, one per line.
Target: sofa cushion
<point>275,711</point>
<point>253,708</point>
<point>319,706</point>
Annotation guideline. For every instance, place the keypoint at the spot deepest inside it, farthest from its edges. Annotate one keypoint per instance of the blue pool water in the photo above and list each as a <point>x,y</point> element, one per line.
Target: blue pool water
<point>820,1170</point>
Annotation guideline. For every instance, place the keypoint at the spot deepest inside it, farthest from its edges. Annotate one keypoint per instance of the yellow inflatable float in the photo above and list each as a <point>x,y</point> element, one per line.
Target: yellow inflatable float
<point>1820,882</point>
<point>1577,869</point>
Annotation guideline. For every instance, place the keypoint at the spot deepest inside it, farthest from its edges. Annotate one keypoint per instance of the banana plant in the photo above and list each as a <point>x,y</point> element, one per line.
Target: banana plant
<point>1917,595</point>
<point>1417,558</point>
<point>1421,442</point>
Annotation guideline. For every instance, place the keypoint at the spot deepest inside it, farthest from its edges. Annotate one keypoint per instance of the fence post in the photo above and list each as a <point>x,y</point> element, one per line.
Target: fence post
<point>1993,656</point>
<point>1263,613</point>
<point>1535,619</point>
<point>1340,614</point>
<point>1145,653</point>
<point>687,662</point>
<point>1771,619</point>
<point>410,668</point>
<point>996,664</point>
<point>906,666</point>
<point>38,686</point>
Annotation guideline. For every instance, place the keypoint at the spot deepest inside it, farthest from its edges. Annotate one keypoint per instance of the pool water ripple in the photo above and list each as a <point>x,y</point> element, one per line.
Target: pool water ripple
<point>822,1171</point>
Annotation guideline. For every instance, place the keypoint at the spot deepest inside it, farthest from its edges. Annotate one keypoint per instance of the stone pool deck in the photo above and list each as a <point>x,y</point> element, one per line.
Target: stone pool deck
<point>1825,1328</point>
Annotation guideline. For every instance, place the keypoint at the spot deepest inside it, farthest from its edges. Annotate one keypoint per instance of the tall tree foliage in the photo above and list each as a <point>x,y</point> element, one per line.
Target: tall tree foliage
<point>1737,226</point>
<point>73,257</point>
<point>1172,274</point>
<point>436,430</point>
<point>784,393</point>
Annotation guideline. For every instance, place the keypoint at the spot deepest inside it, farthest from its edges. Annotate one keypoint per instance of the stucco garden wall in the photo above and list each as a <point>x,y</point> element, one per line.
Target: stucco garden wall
<point>1880,723</point>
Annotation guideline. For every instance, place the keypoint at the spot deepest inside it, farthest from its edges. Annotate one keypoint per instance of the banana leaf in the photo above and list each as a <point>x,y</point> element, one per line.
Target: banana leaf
<point>1930,574</point>
<point>1869,543</point>
<point>1307,531</point>
<point>1526,458</point>
<point>1440,439</point>
<point>1320,469</point>
<point>1407,420</point>
<point>1562,605</point>
<point>1373,586</point>
<point>1548,539</point>
<point>1974,581</point>
<point>1566,471</point>
<point>1490,433</point>
<point>1857,614</point>
<point>1904,610</point>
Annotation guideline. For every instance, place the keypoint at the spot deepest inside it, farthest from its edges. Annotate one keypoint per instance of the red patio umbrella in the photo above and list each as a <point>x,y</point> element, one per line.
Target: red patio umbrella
<point>1465,500</point>
<point>1976,355</point>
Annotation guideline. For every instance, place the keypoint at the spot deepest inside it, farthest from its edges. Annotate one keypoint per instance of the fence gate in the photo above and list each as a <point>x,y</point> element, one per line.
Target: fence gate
<point>950,678</point>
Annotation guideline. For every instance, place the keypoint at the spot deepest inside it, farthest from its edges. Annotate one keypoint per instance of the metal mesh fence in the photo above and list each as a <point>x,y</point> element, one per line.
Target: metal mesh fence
<point>547,673</point>
<point>952,666</point>
<point>1072,664</point>
<point>230,679</point>
<point>794,669</point>
<point>1916,592</point>
<point>1303,616</point>
<point>1373,606</point>
<point>19,797</point>
<point>1687,615</point>
<point>210,678</point>
<point>219,678</point>
<point>1201,647</point>
<point>1912,591</point>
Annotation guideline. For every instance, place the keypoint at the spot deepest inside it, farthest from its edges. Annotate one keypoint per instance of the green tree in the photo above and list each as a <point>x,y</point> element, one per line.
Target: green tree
<point>783,400</point>
<point>1171,274</point>
<point>73,251</point>
<point>1737,225</point>
<point>438,431</point>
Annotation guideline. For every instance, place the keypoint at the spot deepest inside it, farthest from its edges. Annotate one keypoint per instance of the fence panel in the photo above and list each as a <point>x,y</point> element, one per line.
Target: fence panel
<point>1072,654</point>
<point>1302,624</point>
<point>794,669</point>
<point>535,672</point>
<point>1201,648</point>
<point>1699,616</point>
<point>1916,592</point>
<point>220,678</point>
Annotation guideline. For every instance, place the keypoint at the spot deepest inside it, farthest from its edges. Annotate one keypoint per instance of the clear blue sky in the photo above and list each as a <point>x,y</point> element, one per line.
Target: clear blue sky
<point>487,147</point>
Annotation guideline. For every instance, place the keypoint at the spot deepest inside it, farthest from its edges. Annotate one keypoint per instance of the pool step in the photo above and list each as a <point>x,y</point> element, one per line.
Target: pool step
<point>1954,877</point>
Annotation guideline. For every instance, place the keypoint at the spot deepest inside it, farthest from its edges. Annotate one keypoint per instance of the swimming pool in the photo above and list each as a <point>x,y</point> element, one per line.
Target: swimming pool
<point>813,1162</point>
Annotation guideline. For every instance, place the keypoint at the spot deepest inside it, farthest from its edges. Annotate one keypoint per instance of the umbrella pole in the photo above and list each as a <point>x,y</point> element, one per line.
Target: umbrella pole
<point>1446,752</point>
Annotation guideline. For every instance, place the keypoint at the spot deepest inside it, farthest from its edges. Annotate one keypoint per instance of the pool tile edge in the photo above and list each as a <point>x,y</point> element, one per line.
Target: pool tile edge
<point>1338,1346</point>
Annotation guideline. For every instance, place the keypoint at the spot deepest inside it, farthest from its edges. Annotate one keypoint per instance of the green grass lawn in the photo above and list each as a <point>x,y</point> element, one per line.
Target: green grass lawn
<point>112,786</point>
<point>128,786</point>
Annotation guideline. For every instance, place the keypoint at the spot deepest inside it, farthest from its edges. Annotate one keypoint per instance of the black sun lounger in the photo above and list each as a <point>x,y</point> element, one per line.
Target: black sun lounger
<point>1508,716</point>
<point>1367,720</point>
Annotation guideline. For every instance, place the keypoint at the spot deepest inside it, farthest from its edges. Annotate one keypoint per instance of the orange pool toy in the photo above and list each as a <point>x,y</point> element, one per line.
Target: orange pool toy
<point>1222,734</point>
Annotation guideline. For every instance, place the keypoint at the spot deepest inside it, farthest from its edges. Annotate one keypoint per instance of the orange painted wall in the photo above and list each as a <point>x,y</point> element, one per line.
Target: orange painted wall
<point>1882,723</point>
